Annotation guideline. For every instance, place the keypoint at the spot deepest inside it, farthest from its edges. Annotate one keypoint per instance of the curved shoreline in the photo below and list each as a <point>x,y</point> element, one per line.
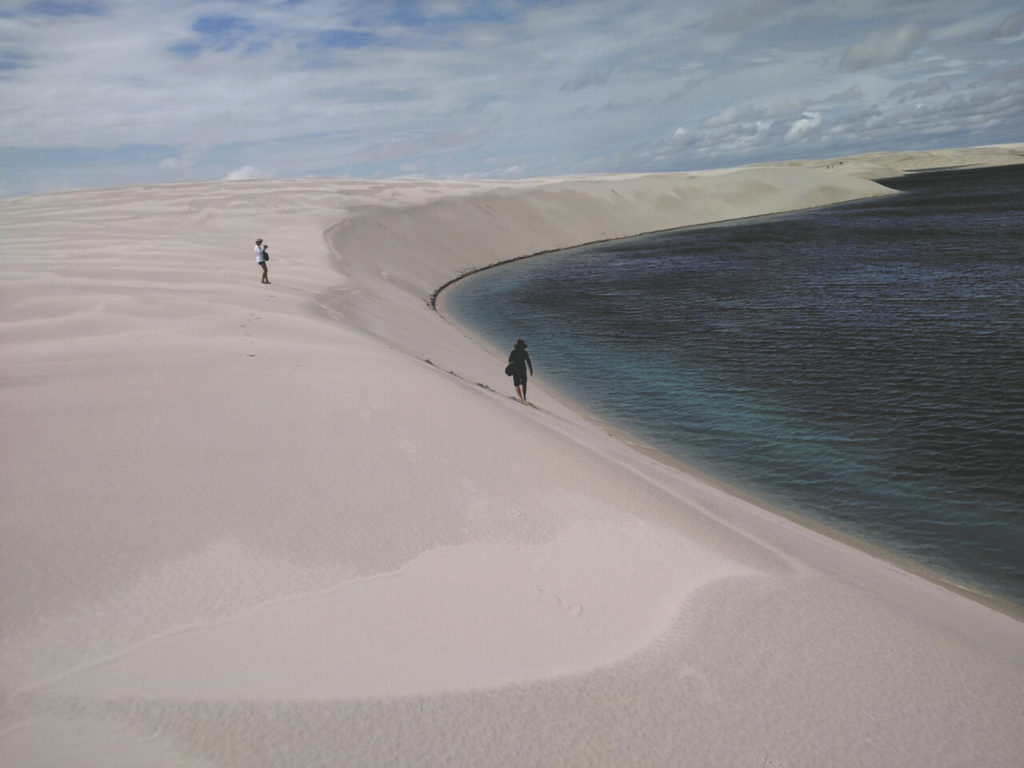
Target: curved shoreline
<point>876,549</point>
<point>435,295</point>
<point>869,170</point>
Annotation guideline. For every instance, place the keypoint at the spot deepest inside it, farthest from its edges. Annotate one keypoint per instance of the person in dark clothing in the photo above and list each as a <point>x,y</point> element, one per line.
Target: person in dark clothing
<point>519,359</point>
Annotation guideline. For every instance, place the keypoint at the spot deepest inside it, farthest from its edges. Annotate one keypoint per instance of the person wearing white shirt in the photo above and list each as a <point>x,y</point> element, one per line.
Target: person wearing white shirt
<point>262,257</point>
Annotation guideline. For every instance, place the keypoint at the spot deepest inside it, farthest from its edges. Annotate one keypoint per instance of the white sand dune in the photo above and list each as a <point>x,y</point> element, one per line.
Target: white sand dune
<point>307,524</point>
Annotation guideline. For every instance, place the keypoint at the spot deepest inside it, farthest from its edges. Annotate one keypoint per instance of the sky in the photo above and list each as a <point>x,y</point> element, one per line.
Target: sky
<point>100,93</point>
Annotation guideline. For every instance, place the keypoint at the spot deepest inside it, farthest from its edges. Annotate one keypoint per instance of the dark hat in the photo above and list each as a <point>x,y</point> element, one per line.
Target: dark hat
<point>259,240</point>
<point>521,343</point>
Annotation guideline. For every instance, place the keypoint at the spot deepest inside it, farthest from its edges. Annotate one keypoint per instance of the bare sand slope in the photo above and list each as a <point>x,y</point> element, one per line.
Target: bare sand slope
<point>306,524</point>
<point>881,165</point>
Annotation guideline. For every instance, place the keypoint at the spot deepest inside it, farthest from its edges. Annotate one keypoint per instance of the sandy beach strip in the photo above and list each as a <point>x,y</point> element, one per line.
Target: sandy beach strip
<point>308,524</point>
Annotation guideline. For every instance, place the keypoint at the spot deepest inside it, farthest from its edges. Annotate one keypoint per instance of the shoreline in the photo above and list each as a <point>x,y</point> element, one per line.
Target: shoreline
<point>875,549</point>
<point>435,295</point>
<point>309,519</point>
<point>878,551</point>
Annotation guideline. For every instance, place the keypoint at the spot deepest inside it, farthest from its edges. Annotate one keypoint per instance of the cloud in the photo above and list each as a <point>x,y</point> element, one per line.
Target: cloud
<point>808,122</point>
<point>586,80</point>
<point>454,87</point>
<point>882,47</point>
<point>782,108</point>
<point>915,90</point>
<point>247,172</point>
<point>1012,26</point>
<point>852,94</point>
<point>734,113</point>
<point>744,15</point>
<point>508,172</point>
<point>942,120</point>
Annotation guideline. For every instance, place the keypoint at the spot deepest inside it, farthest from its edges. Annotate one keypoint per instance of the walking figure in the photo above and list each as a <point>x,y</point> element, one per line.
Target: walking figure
<point>518,360</point>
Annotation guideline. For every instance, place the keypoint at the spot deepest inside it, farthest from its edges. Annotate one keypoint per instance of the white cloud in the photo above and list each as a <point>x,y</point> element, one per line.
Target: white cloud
<point>810,121</point>
<point>175,163</point>
<point>760,116</point>
<point>732,114</point>
<point>246,172</point>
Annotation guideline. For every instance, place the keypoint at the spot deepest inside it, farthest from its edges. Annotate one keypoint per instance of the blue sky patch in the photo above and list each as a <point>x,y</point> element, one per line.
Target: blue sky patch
<point>216,33</point>
<point>223,26</point>
<point>188,49</point>
<point>59,8</point>
<point>346,38</point>
<point>222,33</point>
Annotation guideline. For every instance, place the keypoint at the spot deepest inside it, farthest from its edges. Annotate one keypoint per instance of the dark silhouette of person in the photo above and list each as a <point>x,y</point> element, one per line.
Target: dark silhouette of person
<point>519,359</point>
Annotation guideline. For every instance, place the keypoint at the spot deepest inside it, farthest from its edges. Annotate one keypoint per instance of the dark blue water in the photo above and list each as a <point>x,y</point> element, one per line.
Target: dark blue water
<point>861,365</point>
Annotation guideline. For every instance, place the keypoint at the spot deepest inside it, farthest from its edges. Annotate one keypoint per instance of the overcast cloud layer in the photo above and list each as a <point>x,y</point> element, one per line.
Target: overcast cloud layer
<point>109,92</point>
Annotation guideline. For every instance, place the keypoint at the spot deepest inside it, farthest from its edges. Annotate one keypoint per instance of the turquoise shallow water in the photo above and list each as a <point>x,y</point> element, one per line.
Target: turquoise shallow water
<point>861,365</point>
